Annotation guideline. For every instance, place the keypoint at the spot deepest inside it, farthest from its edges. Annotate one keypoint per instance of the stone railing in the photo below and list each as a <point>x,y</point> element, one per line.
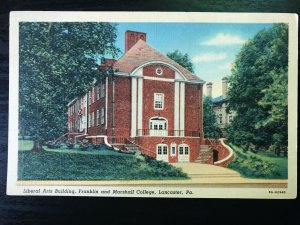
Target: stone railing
<point>227,153</point>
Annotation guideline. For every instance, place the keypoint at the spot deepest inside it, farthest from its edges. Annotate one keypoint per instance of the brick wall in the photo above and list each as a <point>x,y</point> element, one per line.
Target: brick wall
<point>150,143</point>
<point>149,88</point>
<point>151,71</point>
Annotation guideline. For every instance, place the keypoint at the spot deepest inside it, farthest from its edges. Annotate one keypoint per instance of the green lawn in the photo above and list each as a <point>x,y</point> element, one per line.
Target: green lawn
<point>66,164</point>
<point>259,165</point>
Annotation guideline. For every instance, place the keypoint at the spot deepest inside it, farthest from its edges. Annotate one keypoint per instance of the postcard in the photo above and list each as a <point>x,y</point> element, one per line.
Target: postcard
<point>153,104</point>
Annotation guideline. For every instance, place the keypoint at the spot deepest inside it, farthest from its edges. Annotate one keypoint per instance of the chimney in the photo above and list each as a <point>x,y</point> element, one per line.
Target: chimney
<point>224,87</point>
<point>209,89</point>
<point>132,37</point>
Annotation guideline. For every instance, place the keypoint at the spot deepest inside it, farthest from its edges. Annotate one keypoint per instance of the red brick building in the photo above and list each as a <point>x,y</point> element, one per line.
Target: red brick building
<point>146,101</point>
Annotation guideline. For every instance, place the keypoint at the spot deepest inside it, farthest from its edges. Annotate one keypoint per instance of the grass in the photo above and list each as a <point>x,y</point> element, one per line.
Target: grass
<point>259,165</point>
<point>65,164</point>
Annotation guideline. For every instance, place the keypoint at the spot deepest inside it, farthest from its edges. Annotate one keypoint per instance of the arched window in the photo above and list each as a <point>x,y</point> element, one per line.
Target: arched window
<point>158,126</point>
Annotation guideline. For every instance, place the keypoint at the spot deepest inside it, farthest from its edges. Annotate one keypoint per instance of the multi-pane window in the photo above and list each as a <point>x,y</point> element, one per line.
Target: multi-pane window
<point>159,150</point>
<point>98,92</point>
<point>102,115</point>
<point>97,120</point>
<point>102,89</point>
<point>93,95</point>
<point>90,97</point>
<point>186,150</point>
<point>165,150</point>
<point>158,101</point>
<point>181,150</point>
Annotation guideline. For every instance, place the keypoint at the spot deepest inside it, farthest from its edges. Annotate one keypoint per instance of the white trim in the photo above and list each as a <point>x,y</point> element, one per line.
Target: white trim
<point>158,78</point>
<point>140,104</point>
<point>133,105</point>
<point>162,157</point>
<point>227,157</point>
<point>106,101</point>
<point>163,101</point>
<point>176,107</point>
<point>171,146</point>
<point>161,63</point>
<point>71,102</point>
<point>182,107</point>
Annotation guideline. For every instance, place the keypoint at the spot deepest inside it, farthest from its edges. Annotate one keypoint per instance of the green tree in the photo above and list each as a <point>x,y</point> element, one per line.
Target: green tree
<point>57,63</point>
<point>182,59</point>
<point>254,76</point>
<point>210,125</point>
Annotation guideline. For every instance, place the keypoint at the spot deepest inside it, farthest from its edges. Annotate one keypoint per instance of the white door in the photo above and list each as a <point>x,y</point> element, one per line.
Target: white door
<point>184,154</point>
<point>158,127</point>
<point>162,153</point>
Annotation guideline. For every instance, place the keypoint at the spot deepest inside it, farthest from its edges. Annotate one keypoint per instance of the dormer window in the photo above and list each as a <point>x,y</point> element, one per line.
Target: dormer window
<point>159,71</point>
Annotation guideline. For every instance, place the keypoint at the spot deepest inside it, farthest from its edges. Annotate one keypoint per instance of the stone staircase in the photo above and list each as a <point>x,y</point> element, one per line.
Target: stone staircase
<point>205,155</point>
<point>132,148</point>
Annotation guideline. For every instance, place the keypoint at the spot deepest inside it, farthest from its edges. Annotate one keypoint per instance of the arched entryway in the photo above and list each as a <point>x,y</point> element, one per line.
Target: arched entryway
<point>215,155</point>
<point>158,126</point>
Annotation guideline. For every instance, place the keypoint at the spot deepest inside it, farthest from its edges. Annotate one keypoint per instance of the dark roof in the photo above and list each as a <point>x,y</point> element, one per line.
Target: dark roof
<point>142,53</point>
<point>219,99</point>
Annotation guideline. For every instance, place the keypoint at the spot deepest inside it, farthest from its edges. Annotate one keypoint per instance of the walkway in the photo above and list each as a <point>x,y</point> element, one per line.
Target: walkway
<point>202,175</point>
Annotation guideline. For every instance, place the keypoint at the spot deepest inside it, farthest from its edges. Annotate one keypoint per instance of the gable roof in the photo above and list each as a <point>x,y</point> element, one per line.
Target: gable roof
<point>142,53</point>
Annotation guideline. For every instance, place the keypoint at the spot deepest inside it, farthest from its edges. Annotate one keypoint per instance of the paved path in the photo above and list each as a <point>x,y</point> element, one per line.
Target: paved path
<point>197,170</point>
<point>202,175</point>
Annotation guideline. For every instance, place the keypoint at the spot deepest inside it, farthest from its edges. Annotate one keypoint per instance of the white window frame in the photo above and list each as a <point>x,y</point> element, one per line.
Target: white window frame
<point>93,95</point>
<point>162,101</point>
<point>102,115</point>
<point>173,145</point>
<point>97,118</point>
<point>98,92</point>
<point>102,90</point>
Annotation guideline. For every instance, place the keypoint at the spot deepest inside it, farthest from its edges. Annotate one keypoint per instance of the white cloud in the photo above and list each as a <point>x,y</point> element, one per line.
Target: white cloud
<point>209,57</point>
<point>227,66</point>
<point>225,39</point>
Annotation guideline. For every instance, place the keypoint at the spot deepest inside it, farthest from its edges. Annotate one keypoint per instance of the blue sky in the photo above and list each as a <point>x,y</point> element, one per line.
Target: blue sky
<point>211,46</point>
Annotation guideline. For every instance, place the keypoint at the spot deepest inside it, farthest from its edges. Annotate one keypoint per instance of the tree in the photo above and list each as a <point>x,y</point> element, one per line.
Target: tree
<point>210,125</point>
<point>258,66</point>
<point>182,59</point>
<point>57,63</point>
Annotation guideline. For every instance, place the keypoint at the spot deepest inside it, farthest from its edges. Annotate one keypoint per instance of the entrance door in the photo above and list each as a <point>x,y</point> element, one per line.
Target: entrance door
<point>162,152</point>
<point>158,127</point>
<point>184,153</point>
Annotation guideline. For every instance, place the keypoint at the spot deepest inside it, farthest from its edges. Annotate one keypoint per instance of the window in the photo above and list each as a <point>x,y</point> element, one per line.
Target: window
<point>158,126</point>
<point>102,115</point>
<point>93,95</point>
<point>158,101</point>
<point>220,118</point>
<point>173,149</point>
<point>181,150</point>
<point>98,92</point>
<point>102,89</point>
<point>159,150</point>
<point>90,97</point>
<point>97,119</point>
<point>159,71</point>
<point>92,123</point>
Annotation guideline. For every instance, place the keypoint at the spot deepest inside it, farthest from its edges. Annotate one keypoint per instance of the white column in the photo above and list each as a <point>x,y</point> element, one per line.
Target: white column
<point>133,105</point>
<point>176,108</point>
<point>182,107</point>
<point>140,105</point>
<point>106,101</point>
